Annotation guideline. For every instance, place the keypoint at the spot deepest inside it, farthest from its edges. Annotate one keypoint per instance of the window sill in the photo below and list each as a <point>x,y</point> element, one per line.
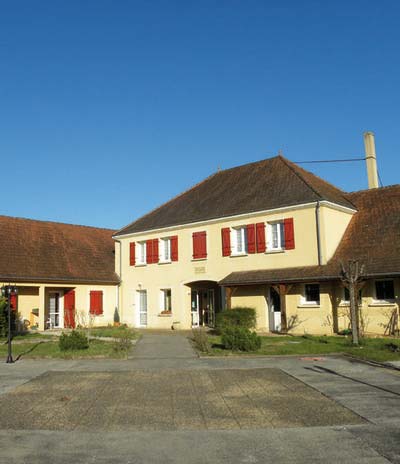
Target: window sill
<point>140,264</point>
<point>165,315</point>
<point>164,262</point>
<point>383,303</point>
<point>199,259</point>
<point>237,255</point>
<point>271,252</point>
<point>309,305</point>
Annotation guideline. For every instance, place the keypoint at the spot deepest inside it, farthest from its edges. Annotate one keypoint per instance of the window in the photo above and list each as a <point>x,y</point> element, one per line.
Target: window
<point>346,295</point>
<point>96,302</point>
<point>165,250</point>
<point>199,245</point>
<point>239,240</point>
<point>141,253</point>
<point>311,294</point>
<point>276,236</point>
<point>384,290</point>
<point>166,300</point>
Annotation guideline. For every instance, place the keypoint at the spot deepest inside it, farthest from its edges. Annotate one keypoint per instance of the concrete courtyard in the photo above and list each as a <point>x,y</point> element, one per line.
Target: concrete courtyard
<point>166,405</point>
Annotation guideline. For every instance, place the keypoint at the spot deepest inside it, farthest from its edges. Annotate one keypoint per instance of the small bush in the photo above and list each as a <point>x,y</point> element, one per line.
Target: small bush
<point>240,339</point>
<point>122,340</point>
<point>236,317</point>
<point>73,341</point>
<point>200,340</point>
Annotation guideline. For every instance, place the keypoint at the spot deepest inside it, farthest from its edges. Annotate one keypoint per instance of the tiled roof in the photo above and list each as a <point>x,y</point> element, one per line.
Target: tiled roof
<point>33,250</point>
<point>372,238</point>
<point>267,184</point>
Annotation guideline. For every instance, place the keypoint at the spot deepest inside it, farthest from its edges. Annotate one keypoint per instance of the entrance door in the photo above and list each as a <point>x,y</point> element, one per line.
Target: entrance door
<point>195,308</point>
<point>54,310</point>
<point>203,307</point>
<point>69,309</point>
<point>274,311</point>
<point>143,308</point>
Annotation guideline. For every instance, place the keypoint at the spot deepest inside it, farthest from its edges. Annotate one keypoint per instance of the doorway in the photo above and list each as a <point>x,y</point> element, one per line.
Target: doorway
<point>142,300</point>
<point>274,310</point>
<point>203,307</point>
<point>54,320</point>
<point>69,309</point>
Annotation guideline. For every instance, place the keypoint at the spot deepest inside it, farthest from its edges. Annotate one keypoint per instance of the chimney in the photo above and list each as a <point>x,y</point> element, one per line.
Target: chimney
<point>370,158</point>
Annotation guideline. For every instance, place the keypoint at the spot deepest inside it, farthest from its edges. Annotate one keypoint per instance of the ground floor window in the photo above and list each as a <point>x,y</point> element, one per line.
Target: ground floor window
<point>96,302</point>
<point>166,300</point>
<point>311,294</point>
<point>384,290</point>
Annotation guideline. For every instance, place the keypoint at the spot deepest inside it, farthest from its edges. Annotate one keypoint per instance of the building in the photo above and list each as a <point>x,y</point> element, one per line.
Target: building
<point>64,273</point>
<point>268,235</point>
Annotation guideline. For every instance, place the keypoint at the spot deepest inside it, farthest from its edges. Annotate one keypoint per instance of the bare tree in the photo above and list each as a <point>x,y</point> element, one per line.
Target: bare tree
<point>353,278</point>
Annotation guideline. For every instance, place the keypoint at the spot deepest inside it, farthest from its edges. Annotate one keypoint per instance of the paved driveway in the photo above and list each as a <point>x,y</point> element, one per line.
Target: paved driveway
<point>165,405</point>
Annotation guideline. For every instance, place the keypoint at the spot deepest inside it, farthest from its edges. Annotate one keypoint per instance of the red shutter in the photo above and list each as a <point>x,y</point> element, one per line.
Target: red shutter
<point>174,248</point>
<point>226,241</point>
<point>199,245</point>
<point>196,245</point>
<point>96,302</point>
<point>132,258</point>
<point>251,238</point>
<point>260,233</point>
<point>149,251</point>
<point>13,301</point>
<point>289,233</point>
<point>69,309</point>
<point>155,251</point>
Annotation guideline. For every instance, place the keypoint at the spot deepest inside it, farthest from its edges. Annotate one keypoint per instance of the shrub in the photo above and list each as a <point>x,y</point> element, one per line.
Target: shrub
<point>73,341</point>
<point>4,318</point>
<point>200,340</point>
<point>236,317</point>
<point>240,339</point>
<point>122,340</point>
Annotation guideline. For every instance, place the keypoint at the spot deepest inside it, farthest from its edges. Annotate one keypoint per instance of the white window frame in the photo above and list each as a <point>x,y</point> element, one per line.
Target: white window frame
<point>280,231</point>
<point>141,253</point>
<point>163,298</point>
<point>388,300</point>
<point>165,250</point>
<point>304,301</point>
<point>239,231</point>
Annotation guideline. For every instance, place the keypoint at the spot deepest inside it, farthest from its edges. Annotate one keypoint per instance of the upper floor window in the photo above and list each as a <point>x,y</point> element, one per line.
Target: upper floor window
<point>239,240</point>
<point>141,253</point>
<point>384,290</point>
<point>276,235</point>
<point>311,294</point>
<point>165,250</point>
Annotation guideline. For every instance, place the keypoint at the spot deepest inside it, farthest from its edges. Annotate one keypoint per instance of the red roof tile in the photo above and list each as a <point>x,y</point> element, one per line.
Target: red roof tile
<point>33,250</point>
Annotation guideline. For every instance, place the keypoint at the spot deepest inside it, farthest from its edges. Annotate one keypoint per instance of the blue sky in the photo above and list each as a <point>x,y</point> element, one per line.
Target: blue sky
<point>109,108</point>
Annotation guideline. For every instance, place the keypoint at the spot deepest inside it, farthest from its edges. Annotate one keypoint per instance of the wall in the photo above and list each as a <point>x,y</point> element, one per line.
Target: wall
<point>36,295</point>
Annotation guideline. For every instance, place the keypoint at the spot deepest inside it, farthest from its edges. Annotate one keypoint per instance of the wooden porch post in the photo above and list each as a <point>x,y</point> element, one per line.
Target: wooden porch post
<point>282,294</point>
<point>228,293</point>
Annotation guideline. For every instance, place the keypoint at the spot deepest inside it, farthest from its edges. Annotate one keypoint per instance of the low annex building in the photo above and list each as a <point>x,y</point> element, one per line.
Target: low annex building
<point>268,235</point>
<point>64,273</point>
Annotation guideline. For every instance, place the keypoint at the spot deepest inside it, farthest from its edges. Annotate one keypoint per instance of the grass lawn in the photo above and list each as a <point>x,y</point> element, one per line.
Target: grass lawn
<point>371,348</point>
<point>41,349</point>
<point>111,331</point>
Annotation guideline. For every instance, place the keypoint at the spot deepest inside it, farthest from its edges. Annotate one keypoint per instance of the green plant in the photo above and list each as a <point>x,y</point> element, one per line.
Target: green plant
<point>200,340</point>
<point>73,341</point>
<point>122,340</point>
<point>236,317</point>
<point>240,339</point>
<point>4,318</point>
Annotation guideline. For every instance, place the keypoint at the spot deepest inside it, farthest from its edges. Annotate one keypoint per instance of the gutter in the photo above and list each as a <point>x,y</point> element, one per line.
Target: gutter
<point>120,273</point>
<point>317,222</point>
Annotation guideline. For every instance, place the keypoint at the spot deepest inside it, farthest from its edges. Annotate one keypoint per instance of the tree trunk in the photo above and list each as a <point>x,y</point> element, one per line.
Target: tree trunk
<point>354,314</point>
